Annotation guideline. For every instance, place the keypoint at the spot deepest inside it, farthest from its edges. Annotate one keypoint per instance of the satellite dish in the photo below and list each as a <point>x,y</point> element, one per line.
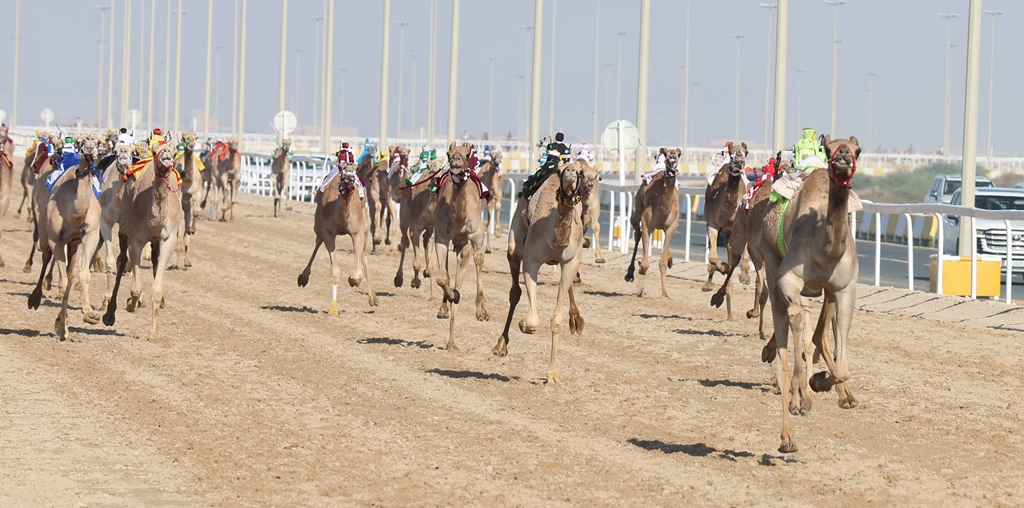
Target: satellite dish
<point>620,135</point>
<point>47,116</point>
<point>285,122</point>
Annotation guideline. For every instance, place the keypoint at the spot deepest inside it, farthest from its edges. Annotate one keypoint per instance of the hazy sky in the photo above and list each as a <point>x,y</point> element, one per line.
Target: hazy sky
<point>903,41</point>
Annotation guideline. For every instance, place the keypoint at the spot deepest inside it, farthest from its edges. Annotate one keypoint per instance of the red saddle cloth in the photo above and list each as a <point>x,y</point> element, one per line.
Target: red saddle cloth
<point>484,193</point>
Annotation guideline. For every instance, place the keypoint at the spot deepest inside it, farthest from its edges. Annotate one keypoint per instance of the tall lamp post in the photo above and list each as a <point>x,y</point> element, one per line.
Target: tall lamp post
<point>835,58</point>
<point>991,80</point>
<point>325,125</point>
<point>99,73</point>
<point>284,59</point>
<point>432,73</point>
<point>490,97</point>
<point>551,94</point>
<point>126,61</point>
<point>686,86</point>
<point>241,73</point>
<point>177,67</point>
<point>216,88</point>
<point>640,161</point>
<point>209,63</point>
<point>150,113</point>
<point>17,39</point>
<point>597,65</point>
<point>453,70</point>
<point>110,70</point>
<point>949,82</point>
<point>618,80</point>
<point>401,67</point>
<point>538,32</point>
<point>317,44</point>
<point>384,69</point>
<point>970,147</point>
<point>767,68</point>
<point>736,132</point>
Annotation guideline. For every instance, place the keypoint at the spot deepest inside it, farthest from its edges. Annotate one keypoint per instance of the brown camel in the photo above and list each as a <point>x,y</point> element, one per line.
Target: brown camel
<point>209,178</point>
<point>281,174</point>
<point>368,171</point>
<point>389,183</point>
<point>808,248</point>
<point>40,197</point>
<point>190,168</point>
<point>656,206</point>
<point>723,201</point>
<point>28,180</point>
<point>6,176</point>
<point>490,175</point>
<point>416,224</point>
<point>110,203</point>
<point>591,219</point>
<point>458,222</point>
<point>547,228</point>
<point>226,163</point>
<point>151,214</point>
<point>70,221</point>
<point>341,210</point>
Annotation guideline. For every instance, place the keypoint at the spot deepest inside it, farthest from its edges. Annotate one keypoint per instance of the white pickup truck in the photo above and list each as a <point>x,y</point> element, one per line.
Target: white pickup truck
<point>991,233</point>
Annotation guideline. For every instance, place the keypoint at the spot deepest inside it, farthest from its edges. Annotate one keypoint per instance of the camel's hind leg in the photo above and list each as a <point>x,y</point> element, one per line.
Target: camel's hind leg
<point>36,297</point>
<point>463,256</point>
<point>595,226</point>
<point>531,323</point>
<point>304,276</point>
<point>564,286</point>
<point>515,292</point>
<point>329,244</point>
<point>32,250</point>
<point>403,246</point>
<point>821,381</point>
<point>481,308</point>
<point>645,235</point>
<point>135,293</point>
<point>666,257</point>
<point>90,247</point>
<point>713,264</point>
<point>161,256</point>
<point>359,246</point>
<point>277,194</point>
<point>575,318</point>
<point>60,325</point>
<point>122,263</point>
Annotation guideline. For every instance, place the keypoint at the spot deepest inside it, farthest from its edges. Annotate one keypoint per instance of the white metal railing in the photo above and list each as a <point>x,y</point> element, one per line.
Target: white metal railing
<point>309,170</point>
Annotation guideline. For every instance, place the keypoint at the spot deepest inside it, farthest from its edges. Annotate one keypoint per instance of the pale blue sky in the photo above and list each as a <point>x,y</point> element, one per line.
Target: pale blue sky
<point>903,41</point>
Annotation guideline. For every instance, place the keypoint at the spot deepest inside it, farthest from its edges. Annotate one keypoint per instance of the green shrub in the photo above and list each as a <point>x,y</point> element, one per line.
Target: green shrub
<point>904,186</point>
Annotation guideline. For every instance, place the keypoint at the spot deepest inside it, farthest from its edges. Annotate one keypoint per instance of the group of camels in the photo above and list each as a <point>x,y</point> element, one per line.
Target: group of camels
<point>799,247</point>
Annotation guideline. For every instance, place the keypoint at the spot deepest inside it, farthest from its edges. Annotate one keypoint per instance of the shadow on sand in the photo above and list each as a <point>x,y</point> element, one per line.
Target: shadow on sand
<point>463,374</point>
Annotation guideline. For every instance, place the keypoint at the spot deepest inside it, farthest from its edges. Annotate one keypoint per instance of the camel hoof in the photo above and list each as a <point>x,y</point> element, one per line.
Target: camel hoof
<point>354,282</point>
<point>723,267</point>
<point>629,274</point>
<point>456,296</point>
<point>552,377</point>
<point>443,313</point>
<point>415,283</point>
<point>848,403</point>
<point>188,263</point>
<point>670,262</point>
<point>34,299</point>
<point>527,328</point>
<point>398,281</point>
<point>28,268</point>
<point>788,447</point>
<point>60,330</point>
<point>819,382</point>
<point>133,304</point>
<point>451,346</point>
<point>744,278</point>
<point>752,314</point>
<point>707,287</point>
<point>768,353</point>
<point>643,271</point>
<point>374,301</point>
<point>303,279</point>
<point>586,243</point>
<point>501,348</point>
<point>108,317</point>
<point>576,324</point>
<point>717,299</point>
<point>482,315</point>
<point>600,261</point>
<point>78,285</point>
<point>487,250</point>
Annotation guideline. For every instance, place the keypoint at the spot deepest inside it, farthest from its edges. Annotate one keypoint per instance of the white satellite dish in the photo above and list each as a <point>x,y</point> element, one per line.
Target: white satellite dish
<point>620,135</point>
<point>47,116</point>
<point>285,122</point>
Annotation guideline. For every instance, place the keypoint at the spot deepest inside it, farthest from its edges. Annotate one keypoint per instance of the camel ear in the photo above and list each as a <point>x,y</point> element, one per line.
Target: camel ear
<point>744,145</point>
<point>452,146</point>
<point>854,139</point>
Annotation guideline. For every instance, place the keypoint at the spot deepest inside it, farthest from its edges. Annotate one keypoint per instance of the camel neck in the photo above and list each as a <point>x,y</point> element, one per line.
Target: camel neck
<point>837,226</point>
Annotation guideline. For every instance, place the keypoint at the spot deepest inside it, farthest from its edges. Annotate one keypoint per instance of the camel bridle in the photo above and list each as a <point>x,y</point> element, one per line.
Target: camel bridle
<point>736,163</point>
<point>346,179</point>
<point>833,176</point>
<point>571,199</point>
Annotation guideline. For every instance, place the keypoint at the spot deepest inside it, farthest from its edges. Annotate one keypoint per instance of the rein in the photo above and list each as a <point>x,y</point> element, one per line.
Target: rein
<point>834,177</point>
<point>573,199</point>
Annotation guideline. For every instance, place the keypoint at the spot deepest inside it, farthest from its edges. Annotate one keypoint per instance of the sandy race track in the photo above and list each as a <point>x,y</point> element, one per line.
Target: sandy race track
<point>254,395</point>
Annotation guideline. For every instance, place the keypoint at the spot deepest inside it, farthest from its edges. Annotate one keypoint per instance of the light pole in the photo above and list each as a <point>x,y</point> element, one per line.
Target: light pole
<point>216,88</point>
<point>177,65</point>
<point>325,127</point>
<point>597,65</point>
<point>110,70</point>
<point>736,132</point>
<point>835,58</point>
<point>970,147</point>
<point>991,80</point>
<point>490,97</point>
<point>686,85</point>
<point>142,49</point>
<point>126,61</point>
<point>99,73</point>
<point>209,63</point>
<point>317,43</point>
<point>767,68</point>
<point>284,59</point>
<point>781,64</point>
<point>529,40</point>
<point>453,69</point>
<point>412,121</point>
<point>17,39</point>
<point>551,93</point>
<point>152,58</point>
<point>298,73</point>
<point>538,32</point>
<point>385,67</point>
<point>432,73</point>
<point>234,67</point>
<point>241,73</point>
<point>401,66</point>
<point>618,80</point>
<point>949,82</point>
<point>800,98</point>
<point>640,164</point>
<point>607,90</point>
<point>167,67</point>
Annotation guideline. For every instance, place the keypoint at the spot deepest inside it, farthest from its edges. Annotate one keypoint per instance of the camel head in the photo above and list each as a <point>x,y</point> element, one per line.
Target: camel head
<point>89,146</point>
<point>496,158</point>
<point>124,157</point>
<point>842,159</point>
<point>458,158</point>
<point>286,145</point>
<point>233,145</point>
<point>672,161</point>
<point>403,156</point>
<point>737,158</point>
<point>164,157</point>
<point>142,148</point>
<point>188,139</point>
<point>347,176</point>
<point>570,183</point>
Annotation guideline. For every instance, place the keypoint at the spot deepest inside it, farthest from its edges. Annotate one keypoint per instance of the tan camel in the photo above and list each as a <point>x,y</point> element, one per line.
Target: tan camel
<point>723,201</point>
<point>341,210</point>
<point>808,248</point>
<point>28,180</point>
<point>191,170</point>
<point>150,213</point>
<point>368,171</point>
<point>656,206</point>
<point>40,196</point>
<point>547,228</point>
<point>591,219</point>
<point>110,203</point>
<point>281,174</point>
<point>458,222</point>
<point>227,162</point>
<point>416,225</point>
<point>6,176</point>
<point>388,183</point>
<point>209,178</point>
<point>69,221</point>
<point>490,175</point>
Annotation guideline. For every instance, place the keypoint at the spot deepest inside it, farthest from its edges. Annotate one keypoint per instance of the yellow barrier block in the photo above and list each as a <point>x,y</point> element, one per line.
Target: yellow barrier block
<point>615,234</point>
<point>658,235</point>
<point>956,275</point>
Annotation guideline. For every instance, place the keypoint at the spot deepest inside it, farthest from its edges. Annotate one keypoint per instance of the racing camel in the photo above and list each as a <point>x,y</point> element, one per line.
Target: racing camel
<point>281,174</point>
<point>723,202</point>
<point>547,228</point>
<point>341,210</point>
<point>656,206</point>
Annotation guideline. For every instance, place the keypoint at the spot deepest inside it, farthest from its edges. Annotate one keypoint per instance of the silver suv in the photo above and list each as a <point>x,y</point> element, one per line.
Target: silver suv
<point>943,187</point>
<point>991,233</point>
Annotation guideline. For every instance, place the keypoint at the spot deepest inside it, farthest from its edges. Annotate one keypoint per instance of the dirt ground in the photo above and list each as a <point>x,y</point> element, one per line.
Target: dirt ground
<point>254,395</point>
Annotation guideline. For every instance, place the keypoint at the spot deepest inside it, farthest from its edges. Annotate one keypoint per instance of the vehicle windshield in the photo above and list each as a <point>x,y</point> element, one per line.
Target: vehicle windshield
<point>999,202</point>
<point>953,185</point>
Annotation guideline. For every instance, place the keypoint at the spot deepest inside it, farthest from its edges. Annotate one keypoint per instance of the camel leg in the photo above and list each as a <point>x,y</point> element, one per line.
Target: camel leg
<point>35,298</point>
<point>632,262</point>
<point>90,247</point>
<point>188,252</point>
<point>329,244</point>
<point>286,187</point>
<point>135,294</point>
<point>418,241</point>
<point>489,211</point>
<point>788,288</point>
<point>666,257</point>
<point>441,277</point>
<point>110,262</point>
<point>712,257</point>
<point>531,323</point>
<point>645,236</point>
<point>122,262</point>
<point>564,286</point>
<point>481,309</point>
<point>595,226</point>
<point>403,246</point>
<point>515,292</point>
<point>430,263</point>
<point>60,325</point>
<point>304,276</point>
<point>234,191</point>
<point>277,193</point>
<point>371,204</point>
<point>32,250</point>
<point>744,267</point>
<point>359,246</point>
<point>392,213</point>
<point>838,368</point>
<point>575,318</point>
<point>161,255</point>
<point>462,261</point>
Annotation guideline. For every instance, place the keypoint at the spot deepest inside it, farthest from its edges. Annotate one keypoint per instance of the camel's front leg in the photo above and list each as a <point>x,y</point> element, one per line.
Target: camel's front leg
<point>359,246</point>
<point>788,287</point>
<point>564,286</point>
<point>403,246</point>
<point>531,323</point>
<point>575,318</point>
<point>841,315</point>
<point>135,294</point>
<point>645,236</point>
<point>481,309</point>
<point>666,257</point>
<point>329,244</point>
<point>160,261</point>
<point>460,275</point>
<point>515,292</point>
<point>304,276</point>
<point>371,204</point>
<point>440,276</point>
<point>286,192</point>
<point>712,257</point>
<point>595,226</point>
<point>90,247</point>
<point>60,325</point>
